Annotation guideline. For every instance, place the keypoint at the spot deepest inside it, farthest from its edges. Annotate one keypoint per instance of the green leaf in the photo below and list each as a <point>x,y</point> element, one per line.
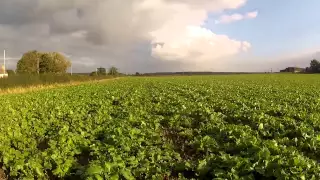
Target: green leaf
<point>98,177</point>
<point>261,126</point>
<point>127,174</point>
<point>94,169</point>
<point>114,177</point>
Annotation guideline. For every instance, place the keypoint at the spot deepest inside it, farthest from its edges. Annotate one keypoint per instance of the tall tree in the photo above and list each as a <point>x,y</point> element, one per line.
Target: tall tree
<point>101,71</point>
<point>29,62</point>
<point>315,66</point>
<point>113,71</point>
<point>53,63</point>
<point>34,62</point>
<point>61,62</point>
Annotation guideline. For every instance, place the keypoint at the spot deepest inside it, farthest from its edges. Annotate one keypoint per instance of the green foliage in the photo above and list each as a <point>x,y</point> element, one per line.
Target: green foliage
<point>10,72</point>
<point>94,73</point>
<point>29,62</point>
<point>113,71</point>
<point>101,71</point>
<point>34,61</point>
<point>26,80</point>
<point>53,63</point>
<point>192,127</point>
<point>315,66</point>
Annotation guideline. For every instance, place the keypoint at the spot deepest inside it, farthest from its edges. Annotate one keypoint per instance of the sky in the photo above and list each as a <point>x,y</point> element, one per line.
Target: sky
<point>165,35</point>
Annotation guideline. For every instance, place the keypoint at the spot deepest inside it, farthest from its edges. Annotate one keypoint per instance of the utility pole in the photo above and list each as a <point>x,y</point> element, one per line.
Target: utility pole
<point>4,60</point>
<point>68,56</point>
<point>7,58</point>
<point>38,67</point>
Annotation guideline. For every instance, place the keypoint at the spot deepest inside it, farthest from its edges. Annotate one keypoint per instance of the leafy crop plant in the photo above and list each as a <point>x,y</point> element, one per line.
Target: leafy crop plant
<point>195,127</point>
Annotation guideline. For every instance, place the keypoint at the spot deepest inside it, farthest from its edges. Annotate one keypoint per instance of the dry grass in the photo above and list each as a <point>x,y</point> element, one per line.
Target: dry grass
<point>19,90</point>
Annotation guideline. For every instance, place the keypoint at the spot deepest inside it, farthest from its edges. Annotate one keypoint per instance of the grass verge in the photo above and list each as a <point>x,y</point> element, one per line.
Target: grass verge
<point>33,88</point>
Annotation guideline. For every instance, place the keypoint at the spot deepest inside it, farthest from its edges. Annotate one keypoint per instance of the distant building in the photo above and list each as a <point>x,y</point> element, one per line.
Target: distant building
<point>3,72</point>
<point>293,69</point>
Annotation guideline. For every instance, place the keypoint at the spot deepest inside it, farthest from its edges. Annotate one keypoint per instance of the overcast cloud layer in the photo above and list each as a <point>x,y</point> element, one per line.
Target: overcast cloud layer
<point>134,35</point>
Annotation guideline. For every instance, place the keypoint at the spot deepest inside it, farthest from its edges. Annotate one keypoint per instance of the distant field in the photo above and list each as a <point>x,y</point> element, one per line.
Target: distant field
<point>202,127</point>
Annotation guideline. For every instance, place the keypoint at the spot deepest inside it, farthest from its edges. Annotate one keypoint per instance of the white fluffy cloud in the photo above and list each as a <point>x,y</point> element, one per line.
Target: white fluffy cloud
<point>224,19</point>
<point>110,31</point>
<point>197,45</point>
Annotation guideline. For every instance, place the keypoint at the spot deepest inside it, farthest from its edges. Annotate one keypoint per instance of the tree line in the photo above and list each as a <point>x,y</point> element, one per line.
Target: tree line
<point>113,71</point>
<point>35,62</point>
<point>313,68</point>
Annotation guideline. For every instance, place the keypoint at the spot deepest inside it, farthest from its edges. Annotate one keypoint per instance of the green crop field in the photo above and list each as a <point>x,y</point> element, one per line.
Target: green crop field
<point>201,127</point>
